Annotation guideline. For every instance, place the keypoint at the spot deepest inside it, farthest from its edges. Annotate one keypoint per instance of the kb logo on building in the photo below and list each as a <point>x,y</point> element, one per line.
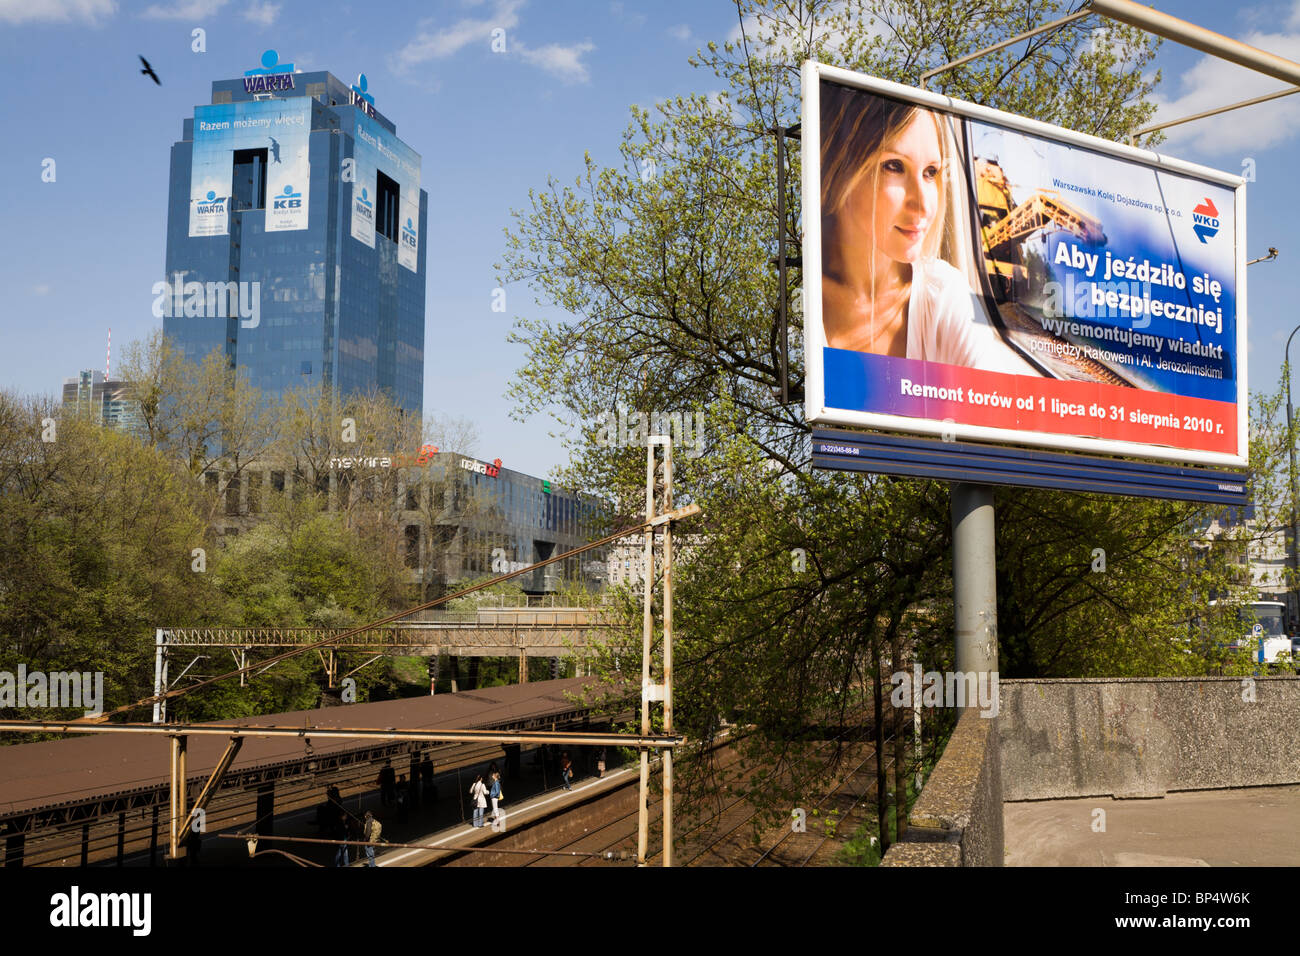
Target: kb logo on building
<point>288,199</point>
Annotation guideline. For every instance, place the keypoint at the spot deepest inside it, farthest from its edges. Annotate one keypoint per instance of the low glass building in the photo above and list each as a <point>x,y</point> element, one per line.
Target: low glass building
<point>460,518</point>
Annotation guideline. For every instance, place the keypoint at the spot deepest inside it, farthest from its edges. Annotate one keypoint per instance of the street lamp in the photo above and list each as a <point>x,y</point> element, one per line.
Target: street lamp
<point>1290,447</point>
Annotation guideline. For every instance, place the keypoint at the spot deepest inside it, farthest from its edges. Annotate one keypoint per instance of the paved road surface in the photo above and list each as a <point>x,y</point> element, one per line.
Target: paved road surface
<point>1256,826</point>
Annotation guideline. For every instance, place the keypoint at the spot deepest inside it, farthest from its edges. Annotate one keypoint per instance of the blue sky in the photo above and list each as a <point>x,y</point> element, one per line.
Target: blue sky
<point>81,254</point>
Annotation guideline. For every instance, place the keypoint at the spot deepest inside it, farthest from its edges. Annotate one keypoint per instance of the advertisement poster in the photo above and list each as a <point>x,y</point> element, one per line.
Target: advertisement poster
<point>988,277</point>
<point>278,127</point>
<point>377,149</point>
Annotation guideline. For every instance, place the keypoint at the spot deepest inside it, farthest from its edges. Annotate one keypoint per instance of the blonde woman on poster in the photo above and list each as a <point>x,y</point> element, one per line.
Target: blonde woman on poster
<point>894,266</point>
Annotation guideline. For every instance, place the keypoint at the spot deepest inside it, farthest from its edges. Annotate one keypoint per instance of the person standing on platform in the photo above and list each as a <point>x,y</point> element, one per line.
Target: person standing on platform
<point>566,770</point>
<point>370,833</point>
<point>400,792</point>
<point>427,790</point>
<point>600,762</point>
<point>479,792</point>
<point>339,831</point>
<point>495,794</point>
<point>387,781</point>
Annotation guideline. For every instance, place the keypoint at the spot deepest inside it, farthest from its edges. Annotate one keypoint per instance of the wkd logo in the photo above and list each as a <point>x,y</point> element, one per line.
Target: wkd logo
<point>1205,220</point>
<point>288,199</point>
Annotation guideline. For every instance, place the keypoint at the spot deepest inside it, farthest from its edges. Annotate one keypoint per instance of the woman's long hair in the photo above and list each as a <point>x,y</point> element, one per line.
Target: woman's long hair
<point>856,126</point>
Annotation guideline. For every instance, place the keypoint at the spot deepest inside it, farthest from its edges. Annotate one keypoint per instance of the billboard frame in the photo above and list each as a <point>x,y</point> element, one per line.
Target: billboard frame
<point>877,453</point>
<point>815,411</point>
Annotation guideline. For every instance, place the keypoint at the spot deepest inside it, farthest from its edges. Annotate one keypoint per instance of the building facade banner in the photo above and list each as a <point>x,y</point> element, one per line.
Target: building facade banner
<point>377,150</point>
<point>978,275</point>
<point>279,127</point>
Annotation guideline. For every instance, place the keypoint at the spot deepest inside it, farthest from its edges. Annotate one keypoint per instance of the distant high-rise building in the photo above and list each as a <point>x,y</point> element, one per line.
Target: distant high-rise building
<point>103,401</point>
<point>296,237</point>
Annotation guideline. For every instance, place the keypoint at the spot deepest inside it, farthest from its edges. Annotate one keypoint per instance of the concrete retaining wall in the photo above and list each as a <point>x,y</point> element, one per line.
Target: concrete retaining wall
<point>1135,737</point>
<point>957,820</point>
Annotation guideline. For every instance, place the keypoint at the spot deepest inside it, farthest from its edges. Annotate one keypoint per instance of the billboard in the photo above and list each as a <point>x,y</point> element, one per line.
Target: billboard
<point>977,275</point>
<point>376,149</point>
<point>278,128</point>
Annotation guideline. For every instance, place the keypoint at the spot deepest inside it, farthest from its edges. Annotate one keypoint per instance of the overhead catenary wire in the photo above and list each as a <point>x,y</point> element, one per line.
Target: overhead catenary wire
<point>651,523</point>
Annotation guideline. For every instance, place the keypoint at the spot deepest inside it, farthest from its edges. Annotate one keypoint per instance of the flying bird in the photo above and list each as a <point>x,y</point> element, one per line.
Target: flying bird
<point>148,70</point>
<point>275,149</point>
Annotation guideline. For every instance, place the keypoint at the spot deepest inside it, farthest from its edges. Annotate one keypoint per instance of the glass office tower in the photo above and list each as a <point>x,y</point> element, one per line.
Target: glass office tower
<point>296,238</point>
<point>104,402</point>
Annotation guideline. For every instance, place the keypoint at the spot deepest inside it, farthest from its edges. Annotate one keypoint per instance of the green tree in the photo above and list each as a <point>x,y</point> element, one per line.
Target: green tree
<point>659,265</point>
<point>98,533</point>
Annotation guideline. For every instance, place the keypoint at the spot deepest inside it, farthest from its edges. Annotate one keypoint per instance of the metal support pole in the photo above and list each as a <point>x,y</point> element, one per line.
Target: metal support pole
<point>974,581</point>
<point>667,756</point>
<point>918,751</point>
<point>975,603</point>
<point>1053,25</point>
<point>182,792</point>
<point>1132,137</point>
<point>159,675</point>
<point>780,266</point>
<point>647,635</point>
<point>1198,38</point>
<point>177,810</point>
<point>173,827</point>
<point>1290,442</point>
<point>783,261</point>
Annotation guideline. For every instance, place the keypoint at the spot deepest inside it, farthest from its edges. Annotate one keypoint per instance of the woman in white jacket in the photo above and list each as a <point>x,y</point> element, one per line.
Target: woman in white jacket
<point>888,172</point>
<point>479,792</point>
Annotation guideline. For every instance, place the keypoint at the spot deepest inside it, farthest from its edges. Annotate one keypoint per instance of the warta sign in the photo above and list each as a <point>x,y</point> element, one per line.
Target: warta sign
<point>272,77</point>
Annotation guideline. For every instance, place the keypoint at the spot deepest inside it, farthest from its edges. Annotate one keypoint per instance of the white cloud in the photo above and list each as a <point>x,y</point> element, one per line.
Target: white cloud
<point>40,290</point>
<point>634,20</point>
<point>563,61</point>
<point>56,11</point>
<point>1212,82</point>
<point>184,10</point>
<point>681,32</point>
<point>262,13</point>
<point>451,40</point>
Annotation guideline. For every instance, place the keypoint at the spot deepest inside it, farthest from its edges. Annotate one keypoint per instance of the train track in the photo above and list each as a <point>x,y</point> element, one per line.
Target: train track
<point>769,856</point>
<point>713,839</point>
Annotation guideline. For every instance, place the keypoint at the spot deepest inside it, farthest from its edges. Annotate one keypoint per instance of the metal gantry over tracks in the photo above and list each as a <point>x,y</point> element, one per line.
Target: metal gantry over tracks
<point>658,485</point>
